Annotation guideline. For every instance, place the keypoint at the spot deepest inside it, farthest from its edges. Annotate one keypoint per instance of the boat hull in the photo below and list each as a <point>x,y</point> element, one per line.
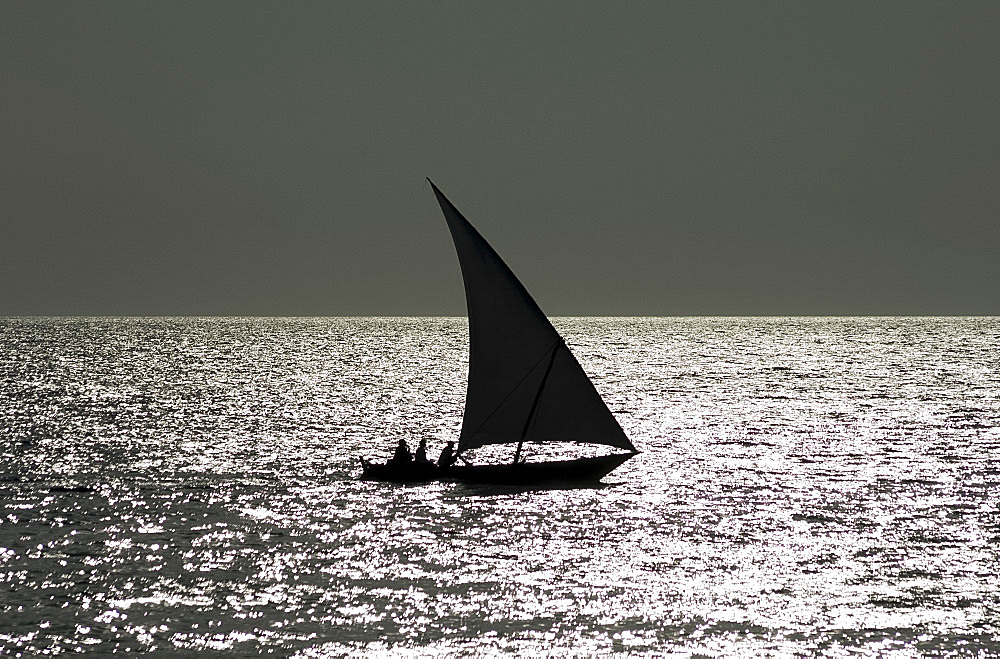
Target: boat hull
<point>580,470</point>
<point>400,473</point>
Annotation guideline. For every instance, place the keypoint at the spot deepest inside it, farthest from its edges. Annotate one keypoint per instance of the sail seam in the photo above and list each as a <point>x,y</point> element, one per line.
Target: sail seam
<point>513,389</point>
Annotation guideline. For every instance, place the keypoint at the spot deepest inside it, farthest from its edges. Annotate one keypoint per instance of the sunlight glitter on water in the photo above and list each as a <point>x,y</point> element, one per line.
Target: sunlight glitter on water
<point>807,486</point>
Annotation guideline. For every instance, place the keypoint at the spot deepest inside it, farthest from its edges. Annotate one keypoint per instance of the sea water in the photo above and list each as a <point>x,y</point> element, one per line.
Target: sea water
<point>807,486</point>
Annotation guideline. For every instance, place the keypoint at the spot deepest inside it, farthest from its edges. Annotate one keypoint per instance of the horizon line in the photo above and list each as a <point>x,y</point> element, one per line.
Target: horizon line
<point>831,315</point>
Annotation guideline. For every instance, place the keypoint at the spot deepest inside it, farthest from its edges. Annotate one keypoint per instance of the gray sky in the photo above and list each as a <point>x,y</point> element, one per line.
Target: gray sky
<point>638,158</point>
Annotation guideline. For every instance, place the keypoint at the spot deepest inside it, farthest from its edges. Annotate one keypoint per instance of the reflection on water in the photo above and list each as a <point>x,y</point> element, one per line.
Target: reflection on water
<point>806,486</point>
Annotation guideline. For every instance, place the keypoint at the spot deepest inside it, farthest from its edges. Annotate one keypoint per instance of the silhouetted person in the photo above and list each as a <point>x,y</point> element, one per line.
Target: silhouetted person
<point>447,458</point>
<point>402,455</point>
<point>421,455</point>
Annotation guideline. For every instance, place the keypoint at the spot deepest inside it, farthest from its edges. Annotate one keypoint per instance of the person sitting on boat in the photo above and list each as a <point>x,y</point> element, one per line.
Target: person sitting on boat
<point>421,456</point>
<point>402,455</point>
<point>448,456</point>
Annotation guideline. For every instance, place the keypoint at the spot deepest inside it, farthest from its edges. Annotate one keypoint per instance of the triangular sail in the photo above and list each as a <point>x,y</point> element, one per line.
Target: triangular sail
<point>524,384</point>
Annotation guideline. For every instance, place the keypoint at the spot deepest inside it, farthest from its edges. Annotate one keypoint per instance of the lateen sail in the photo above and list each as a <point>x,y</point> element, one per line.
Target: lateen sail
<point>524,383</point>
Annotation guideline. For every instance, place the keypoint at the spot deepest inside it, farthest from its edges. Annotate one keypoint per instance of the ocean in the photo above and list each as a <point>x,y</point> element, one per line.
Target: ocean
<point>807,486</point>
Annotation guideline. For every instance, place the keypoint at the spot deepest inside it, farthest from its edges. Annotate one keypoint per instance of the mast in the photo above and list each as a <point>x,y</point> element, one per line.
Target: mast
<point>534,404</point>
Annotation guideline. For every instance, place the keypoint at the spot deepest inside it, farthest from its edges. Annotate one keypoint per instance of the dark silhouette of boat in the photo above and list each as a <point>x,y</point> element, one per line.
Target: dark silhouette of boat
<point>524,383</point>
<point>582,470</point>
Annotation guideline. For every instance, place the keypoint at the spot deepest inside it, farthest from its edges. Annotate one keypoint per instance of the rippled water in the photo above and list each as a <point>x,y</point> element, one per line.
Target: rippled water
<point>807,486</point>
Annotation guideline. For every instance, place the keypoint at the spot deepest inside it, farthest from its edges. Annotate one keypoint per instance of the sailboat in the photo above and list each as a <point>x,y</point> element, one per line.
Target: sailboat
<point>524,383</point>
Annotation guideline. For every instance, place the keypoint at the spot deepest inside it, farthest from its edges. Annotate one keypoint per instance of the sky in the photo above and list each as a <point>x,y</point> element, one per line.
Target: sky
<point>661,158</point>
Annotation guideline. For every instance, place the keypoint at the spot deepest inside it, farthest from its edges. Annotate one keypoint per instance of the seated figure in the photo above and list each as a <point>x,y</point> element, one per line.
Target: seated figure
<point>402,455</point>
<point>421,456</point>
<point>448,456</point>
